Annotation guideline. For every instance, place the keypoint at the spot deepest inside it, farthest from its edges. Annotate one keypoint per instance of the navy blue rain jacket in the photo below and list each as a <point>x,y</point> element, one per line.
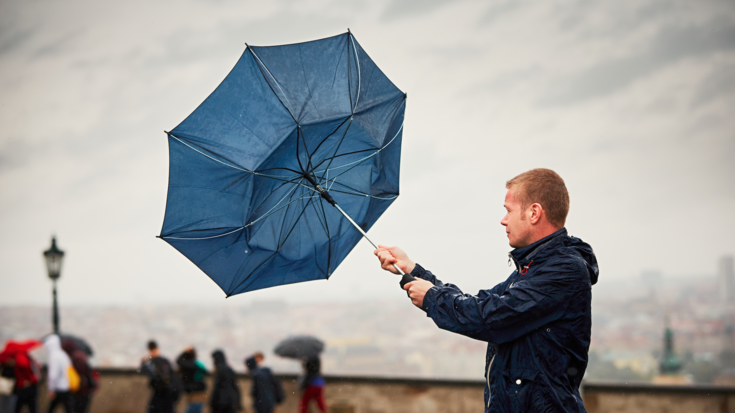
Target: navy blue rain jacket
<point>537,324</point>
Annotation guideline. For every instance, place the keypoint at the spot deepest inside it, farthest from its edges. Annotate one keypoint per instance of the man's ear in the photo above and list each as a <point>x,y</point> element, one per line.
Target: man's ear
<point>536,212</point>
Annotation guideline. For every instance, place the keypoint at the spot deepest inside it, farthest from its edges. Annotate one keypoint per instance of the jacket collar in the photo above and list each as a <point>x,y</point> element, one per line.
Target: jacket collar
<point>522,256</point>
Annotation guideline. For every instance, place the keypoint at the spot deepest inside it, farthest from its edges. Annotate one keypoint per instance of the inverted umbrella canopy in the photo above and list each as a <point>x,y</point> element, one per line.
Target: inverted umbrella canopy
<point>257,168</point>
<point>299,347</point>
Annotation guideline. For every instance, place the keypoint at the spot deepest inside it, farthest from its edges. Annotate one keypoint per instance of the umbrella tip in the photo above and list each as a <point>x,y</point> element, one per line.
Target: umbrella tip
<point>348,30</point>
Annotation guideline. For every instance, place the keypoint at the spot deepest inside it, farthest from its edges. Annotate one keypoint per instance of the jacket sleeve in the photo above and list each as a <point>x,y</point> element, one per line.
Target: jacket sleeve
<point>501,315</point>
<point>452,289</point>
<point>421,272</point>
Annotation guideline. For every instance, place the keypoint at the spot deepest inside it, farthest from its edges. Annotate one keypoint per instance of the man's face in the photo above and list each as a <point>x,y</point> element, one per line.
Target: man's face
<point>517,225</point>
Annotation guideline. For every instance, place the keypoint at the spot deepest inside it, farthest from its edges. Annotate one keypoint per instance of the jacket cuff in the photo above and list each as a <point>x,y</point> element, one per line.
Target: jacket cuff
<point>429,299</point>
<point>420,272</point>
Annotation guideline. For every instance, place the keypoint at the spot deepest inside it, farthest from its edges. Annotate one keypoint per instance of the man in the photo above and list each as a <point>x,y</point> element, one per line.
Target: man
<point>266,390</point>
<point>537,322</point>
<point>162,380</point>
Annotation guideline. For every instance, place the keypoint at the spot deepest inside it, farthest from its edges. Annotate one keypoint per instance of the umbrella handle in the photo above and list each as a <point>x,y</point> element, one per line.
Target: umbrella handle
<point>407,278</point>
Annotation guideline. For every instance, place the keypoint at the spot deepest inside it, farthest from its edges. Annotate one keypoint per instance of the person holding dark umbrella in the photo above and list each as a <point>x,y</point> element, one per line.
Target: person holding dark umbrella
<point>306,349</point>
<point>312,384</point>
<point>80,398</point>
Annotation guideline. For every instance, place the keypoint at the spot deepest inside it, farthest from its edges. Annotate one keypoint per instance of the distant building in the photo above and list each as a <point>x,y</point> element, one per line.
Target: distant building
<point>726,279</point>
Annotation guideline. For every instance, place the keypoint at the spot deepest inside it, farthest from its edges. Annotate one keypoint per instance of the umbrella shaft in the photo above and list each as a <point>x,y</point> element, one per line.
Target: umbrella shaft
<point>362,232</point>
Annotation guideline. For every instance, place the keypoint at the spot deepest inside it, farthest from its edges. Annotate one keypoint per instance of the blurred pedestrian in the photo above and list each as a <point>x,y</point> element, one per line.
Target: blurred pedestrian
<point>192,373</point>
<point>18,364</point>
<point>79,360</point>
<point>225,397</point>
<point>162,380</point>
<point>266,389</point>
<point>312,385</point>
<point>57,381</point>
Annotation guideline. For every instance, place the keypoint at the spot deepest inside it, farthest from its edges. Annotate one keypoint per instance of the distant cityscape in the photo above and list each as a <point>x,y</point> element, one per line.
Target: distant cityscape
<point>395,340</point>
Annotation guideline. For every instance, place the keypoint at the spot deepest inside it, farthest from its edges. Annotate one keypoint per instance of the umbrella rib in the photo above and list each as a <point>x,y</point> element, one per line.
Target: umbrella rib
<point>329,238</point>
<point>357,59</point>
<point>339,145</point>
<point>363,195</point>
<point>274,177</point>
<point>244,226</point>
<point>277,249</point>
<point>359,161</point>
<point>357,192</point>
<point>295,223</point>
<point>283,223</point>
<point>251,273</point>
<point>330,135</point>
<point>306,149</point>
<point>293,114</point>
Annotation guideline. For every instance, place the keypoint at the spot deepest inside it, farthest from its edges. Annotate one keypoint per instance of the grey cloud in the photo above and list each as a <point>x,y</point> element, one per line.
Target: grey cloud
<point>719,83</point>
<point>398,9</point>
<point>16,153</point>
<point>13,39</point>
<point>672,44</point>
<point>505,82</point>
<point>55,45</point>
<point>498,10</point>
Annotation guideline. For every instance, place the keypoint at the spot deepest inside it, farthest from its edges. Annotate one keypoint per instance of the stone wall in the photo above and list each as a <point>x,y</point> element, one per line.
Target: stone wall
<point>649,398</point>
<point>125,391</point>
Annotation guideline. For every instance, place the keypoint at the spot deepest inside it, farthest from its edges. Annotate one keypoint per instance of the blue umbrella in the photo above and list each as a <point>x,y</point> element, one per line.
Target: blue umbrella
<point>274,178</point>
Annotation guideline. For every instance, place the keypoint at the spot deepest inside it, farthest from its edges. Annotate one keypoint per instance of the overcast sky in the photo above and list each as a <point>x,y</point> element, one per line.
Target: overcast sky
<point>631,102</point>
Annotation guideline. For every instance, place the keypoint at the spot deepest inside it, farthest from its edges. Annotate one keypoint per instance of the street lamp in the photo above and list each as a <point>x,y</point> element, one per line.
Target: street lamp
<point>53,257</point>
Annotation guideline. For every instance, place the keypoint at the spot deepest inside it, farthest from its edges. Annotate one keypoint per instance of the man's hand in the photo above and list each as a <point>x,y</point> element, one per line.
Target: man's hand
<point>417,290</point>
<point>394,255</point>
<point>51,395</point>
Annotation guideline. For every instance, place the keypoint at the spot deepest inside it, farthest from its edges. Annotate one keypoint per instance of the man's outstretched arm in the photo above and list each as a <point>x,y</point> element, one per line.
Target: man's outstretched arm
<point>425,280</point>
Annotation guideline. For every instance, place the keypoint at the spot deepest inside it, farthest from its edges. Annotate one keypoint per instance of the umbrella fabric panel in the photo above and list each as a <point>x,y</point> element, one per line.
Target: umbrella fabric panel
<point>204,194</point>
<point>242,120</point>
<point>309,78</point>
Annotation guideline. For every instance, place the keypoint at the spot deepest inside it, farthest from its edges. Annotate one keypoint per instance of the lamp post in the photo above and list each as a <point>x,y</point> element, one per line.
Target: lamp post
<point>53,257</point>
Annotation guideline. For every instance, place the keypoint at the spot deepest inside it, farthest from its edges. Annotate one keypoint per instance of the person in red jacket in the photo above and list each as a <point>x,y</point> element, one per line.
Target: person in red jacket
<point>26,372</point>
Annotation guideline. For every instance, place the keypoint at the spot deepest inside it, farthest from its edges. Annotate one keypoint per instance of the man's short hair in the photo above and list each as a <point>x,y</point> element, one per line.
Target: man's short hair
<point>152,345</point>
<point>545,187</point>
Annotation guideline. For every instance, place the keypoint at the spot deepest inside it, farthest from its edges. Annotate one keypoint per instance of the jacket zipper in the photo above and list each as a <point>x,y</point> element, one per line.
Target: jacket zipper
<point>488,379</point>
